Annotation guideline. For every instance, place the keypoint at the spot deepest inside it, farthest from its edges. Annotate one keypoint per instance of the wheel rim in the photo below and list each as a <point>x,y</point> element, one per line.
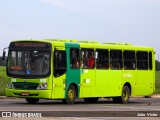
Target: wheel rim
<point>70,94</point>
<point>125,95</point>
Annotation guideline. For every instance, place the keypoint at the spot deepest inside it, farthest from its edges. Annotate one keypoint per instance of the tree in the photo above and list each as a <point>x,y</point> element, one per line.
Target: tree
<point>3,62</point>
<point>157,65</point>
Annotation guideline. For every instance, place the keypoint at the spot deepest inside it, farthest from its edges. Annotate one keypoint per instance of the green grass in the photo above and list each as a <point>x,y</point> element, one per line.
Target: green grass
<point>3,81</point>
<point>157,83</point>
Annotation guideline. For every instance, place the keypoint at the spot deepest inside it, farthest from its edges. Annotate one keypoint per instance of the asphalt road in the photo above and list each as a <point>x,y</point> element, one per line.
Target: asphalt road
<point>137,107</point>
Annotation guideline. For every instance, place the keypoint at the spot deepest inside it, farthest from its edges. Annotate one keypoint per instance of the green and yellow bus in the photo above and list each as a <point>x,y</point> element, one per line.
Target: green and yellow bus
<point>70,69</point>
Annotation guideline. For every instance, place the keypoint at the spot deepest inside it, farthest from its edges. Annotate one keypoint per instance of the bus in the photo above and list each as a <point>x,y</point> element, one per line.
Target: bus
<point>69,69</point>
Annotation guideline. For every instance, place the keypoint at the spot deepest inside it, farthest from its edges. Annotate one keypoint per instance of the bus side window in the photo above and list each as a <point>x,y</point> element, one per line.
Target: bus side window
<point>116,59</point>
<point>102,59</point>
<point>150,61</point>
<point>59,62</point>
<point>129,60</point>
<point>74,58</point>
<point>88,59</point>
<point>142,60</point>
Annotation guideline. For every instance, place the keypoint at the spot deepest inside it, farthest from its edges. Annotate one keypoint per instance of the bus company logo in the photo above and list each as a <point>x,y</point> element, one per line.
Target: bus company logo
<point>6,114</point>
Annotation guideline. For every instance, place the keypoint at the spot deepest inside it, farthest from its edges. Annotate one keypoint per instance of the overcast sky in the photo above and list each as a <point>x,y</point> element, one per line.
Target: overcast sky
<point>131,21</point>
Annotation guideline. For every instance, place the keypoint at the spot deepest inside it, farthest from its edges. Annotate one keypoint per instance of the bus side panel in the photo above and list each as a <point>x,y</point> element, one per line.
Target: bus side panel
<point>101,83</point>
<point>115,86</point>
<point>144,85</point>
<point>130,76</point>
<point>87,83</point>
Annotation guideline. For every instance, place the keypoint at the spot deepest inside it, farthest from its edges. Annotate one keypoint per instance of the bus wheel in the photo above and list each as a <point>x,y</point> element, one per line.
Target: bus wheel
<point>125,94</point>
<point>90,100</point>
<point>124,98</point>
<point>71,95</point>
<point>32,100</point>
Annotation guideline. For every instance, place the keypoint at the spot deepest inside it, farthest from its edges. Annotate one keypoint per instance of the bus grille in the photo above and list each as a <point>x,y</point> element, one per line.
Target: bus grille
<point>25,85</point>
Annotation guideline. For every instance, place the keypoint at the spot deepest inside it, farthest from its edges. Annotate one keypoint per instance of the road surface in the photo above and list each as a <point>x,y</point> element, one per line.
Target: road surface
<point>143,108</point>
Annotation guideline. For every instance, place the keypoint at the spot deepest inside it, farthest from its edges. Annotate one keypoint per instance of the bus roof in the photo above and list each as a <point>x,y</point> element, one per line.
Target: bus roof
<point>91,44</point>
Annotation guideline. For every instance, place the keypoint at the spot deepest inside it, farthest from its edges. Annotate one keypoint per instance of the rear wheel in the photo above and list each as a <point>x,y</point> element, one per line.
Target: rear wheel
<point>124,98</point>
<point>90,100</point>
<point>32,100</point>
<point>71,95</point>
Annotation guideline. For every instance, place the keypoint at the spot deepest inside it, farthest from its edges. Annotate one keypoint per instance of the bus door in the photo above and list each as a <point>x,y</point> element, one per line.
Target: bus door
<point>73,66</point>
<point>87,73</point>
<point>59,70</point>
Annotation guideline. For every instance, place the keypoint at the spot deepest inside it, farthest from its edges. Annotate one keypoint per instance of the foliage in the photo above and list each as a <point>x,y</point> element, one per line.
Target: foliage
<point>2,62</point>
<point>157,82</point>
<point>157,65</point>
<point>3,80</point>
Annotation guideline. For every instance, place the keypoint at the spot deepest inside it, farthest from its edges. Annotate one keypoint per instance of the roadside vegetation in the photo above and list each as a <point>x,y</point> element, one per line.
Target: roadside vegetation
<point>157,82</point>
<point>3,80</point>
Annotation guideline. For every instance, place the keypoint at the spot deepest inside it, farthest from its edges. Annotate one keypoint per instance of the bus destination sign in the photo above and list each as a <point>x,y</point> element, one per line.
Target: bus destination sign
<point>29,45</point>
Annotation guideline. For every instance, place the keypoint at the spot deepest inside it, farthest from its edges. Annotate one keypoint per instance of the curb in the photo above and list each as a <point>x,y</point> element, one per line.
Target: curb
<point>155,96</point>
<point>4,97</point>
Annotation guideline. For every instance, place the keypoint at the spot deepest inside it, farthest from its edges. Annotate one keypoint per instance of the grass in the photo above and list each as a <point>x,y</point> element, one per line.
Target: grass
<point>157,83</point>
<point>3,81</point>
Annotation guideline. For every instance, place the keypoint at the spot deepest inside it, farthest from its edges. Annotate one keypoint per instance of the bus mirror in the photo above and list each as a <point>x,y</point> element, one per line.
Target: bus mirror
<point>4,55</point>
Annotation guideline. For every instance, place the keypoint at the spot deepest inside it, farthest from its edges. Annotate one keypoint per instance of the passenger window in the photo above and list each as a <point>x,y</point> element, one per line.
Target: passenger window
<point>116,59</point>
<point>74,58</point>
<point>102,59</point>
<point>142,60</point>
<point>60,65</point>
<point>150,60</point>
<point>129,60</point>
<point>87,58</point>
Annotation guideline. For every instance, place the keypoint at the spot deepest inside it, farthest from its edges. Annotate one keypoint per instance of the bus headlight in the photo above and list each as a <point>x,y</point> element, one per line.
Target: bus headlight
<point>42,86</point>
<point>10,85</point>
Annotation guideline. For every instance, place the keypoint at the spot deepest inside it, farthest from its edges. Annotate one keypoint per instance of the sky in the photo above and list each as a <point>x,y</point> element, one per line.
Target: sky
<point>129,21</point>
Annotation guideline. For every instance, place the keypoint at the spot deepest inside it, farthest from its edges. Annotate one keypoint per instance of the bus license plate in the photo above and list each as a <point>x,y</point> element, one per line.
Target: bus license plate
<point>25,94</point>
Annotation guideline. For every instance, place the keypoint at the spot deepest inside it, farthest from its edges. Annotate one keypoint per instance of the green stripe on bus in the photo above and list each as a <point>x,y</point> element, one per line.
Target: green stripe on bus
<point>72,75</point>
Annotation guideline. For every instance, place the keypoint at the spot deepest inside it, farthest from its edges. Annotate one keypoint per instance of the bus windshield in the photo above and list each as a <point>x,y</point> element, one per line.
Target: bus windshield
<point>30,63</point>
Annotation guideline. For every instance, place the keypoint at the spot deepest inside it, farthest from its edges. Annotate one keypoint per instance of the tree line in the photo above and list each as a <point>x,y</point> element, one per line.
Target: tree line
<point>3,63</point>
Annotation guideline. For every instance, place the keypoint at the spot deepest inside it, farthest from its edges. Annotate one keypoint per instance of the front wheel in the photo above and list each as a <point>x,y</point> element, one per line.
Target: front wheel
<point>32,100</point>
<point>124,98</point>
<point>71,95</point>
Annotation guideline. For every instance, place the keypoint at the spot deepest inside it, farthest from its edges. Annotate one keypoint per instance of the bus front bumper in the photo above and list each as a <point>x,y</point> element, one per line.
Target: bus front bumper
<point>44,94</point>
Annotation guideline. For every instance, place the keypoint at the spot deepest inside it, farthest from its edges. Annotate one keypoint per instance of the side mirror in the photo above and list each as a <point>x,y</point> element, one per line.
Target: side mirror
<point>4,55</point>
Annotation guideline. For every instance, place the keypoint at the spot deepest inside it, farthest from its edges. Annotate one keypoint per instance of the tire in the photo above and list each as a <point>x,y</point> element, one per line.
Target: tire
<point>90,100</point>
<point>71,95</point>
<point>124,98</point>
<point>125,95</point>
<point>32,100</point>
